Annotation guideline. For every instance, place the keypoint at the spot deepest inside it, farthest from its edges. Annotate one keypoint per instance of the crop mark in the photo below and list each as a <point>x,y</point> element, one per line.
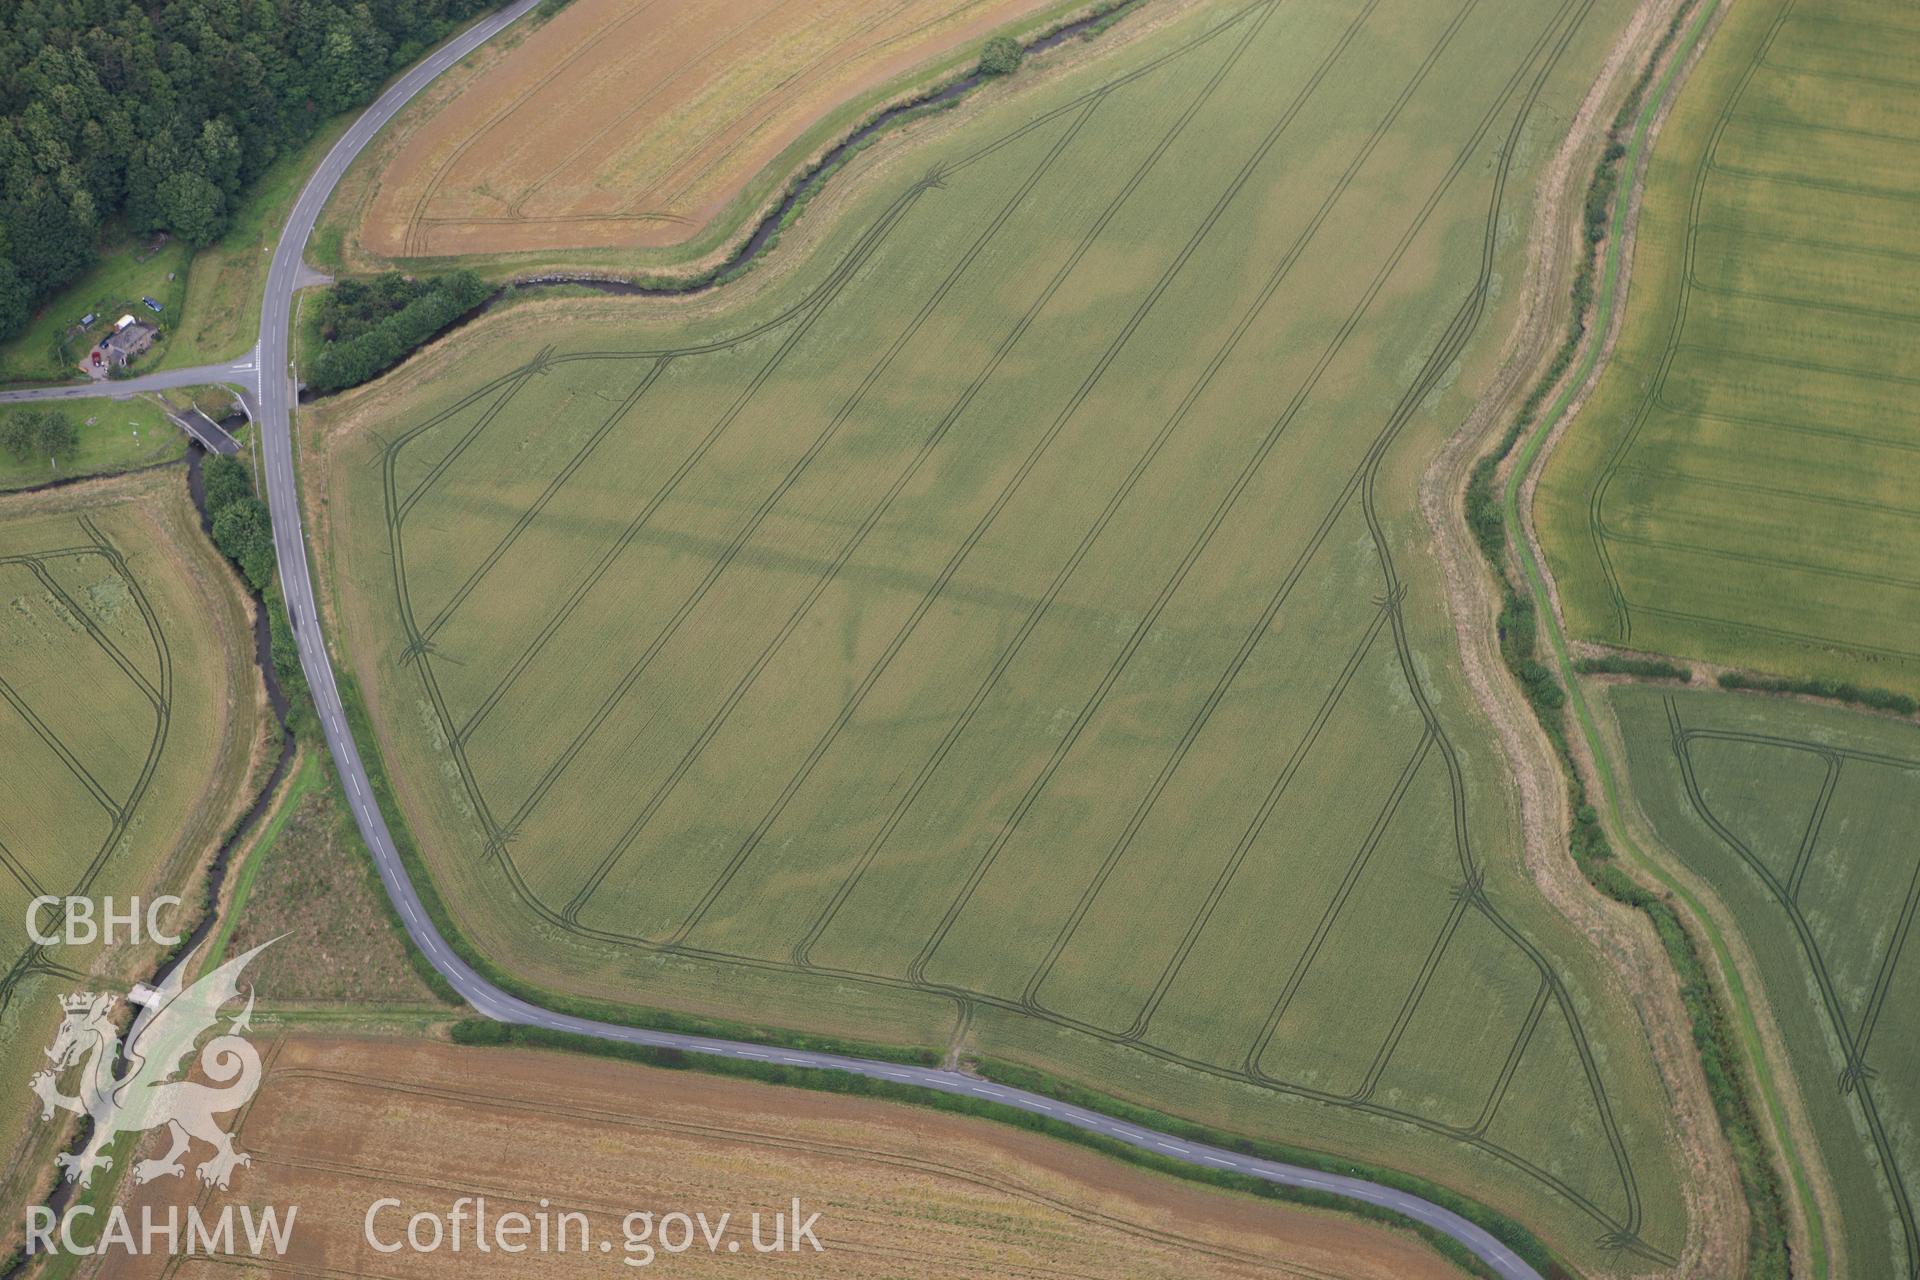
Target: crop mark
<point>603,1118</point>
<point>1303,963</point>
<point>899,37</point>
<point>827,434</point>
<point>1817,185</point>
<point>1810,242</point>
<point>1814,821</point>
<point>770,95</point>
<point>60,749</point>
<point>1791,302</point>
<point>1883,982</point>
<point>1541,1001</point>
<point>1466,897</point>
<point>1248,839</point>
<point>508,391</point>
<point>159,692</point>
<point>1856,1076</point>
<point>620,118</point>
<point>1793,125</point>
<point>1618,1231</point>
<point>1779,633</point>
<point>869,243</point>
<point>1455,339</point>
<point>823,580</point>
<point>1678,548</point>
<point>554,486</point>
<point>1007,492</point>
<point>1596,498</point>
<point>1855,77</point>
<point>20,871</point>
<point>1223,508</point>
<point>1771,491</point>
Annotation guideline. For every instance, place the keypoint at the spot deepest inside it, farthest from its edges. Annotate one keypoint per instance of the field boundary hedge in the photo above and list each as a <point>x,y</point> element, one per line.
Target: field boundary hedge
<point>485,1032</point>
<point>1491,510</point>
<point>1827,690</point>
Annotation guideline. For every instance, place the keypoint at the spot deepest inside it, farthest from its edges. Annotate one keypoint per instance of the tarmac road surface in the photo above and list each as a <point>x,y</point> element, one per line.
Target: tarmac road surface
<point>268,373</point>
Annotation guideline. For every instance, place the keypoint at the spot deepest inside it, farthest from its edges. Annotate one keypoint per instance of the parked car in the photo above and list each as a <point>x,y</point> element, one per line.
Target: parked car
<point>151,305</point>
<point>86,321</point>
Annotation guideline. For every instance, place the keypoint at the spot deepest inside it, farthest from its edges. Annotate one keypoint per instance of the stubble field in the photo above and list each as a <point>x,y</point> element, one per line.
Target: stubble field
<point>1014,631</point>
<point>1741,486</point>
<point>638,123</point>
<point>1801,819</point>
<point>900,1191</point>
<point>128,716</point>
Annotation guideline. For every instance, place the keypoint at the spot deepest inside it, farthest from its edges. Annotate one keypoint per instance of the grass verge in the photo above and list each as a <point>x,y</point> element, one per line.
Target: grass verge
<point>360,725</point>
<point>227,281</point>
<point>481,1031</point>
<point>310,774</point>
<point>1720,1033</point>
<point>1614,664</point>
<point>1509,1231</point>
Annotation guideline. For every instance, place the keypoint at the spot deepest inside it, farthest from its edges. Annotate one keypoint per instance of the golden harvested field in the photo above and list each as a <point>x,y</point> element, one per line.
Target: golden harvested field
<point>901,1191</point>
<point>129,713</point>
<point>628,123</point>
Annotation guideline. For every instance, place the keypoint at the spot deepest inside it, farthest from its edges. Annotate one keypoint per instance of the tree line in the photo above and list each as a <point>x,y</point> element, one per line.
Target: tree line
<point>371,325</point>
<point>242,528</point>
<point>159,114</point>
<point>39,433</point>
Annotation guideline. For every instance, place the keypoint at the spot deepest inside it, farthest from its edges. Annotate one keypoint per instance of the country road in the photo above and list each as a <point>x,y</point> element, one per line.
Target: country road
<point>267,372</point>
<point>243,373</point>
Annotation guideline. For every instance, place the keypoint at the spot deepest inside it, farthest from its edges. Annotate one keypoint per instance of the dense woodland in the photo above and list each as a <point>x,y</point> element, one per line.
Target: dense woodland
<point>368,326</point>
<point>157,116</point>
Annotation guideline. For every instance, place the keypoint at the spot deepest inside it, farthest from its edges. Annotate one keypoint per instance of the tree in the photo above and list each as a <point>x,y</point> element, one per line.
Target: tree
<point>59,440</point>
<point>1001,57</point>
<point>244,533</point>
<point>103,103</point>
<point>226,483</point>
<point>219,156</point>
<point>18,436</point>
<point>39,433</point>
<point>14,308</point>
<point>193,208</point>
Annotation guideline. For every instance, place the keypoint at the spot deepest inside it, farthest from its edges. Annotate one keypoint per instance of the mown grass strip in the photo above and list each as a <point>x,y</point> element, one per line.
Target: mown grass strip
<point>1718,1036</point>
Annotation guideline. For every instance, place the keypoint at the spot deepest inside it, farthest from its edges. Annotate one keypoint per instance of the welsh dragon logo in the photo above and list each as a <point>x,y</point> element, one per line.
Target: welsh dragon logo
<point>142,1094</point>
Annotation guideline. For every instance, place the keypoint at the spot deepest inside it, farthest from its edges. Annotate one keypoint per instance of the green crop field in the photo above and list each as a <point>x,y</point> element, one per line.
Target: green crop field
<point>1008,626</point>
<point>1801,820</point>
<point>1741,485</point>
<point>128,714</point>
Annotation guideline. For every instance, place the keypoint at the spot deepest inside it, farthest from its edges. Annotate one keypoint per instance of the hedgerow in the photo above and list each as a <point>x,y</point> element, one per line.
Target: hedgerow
<point>1710,1023</point>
